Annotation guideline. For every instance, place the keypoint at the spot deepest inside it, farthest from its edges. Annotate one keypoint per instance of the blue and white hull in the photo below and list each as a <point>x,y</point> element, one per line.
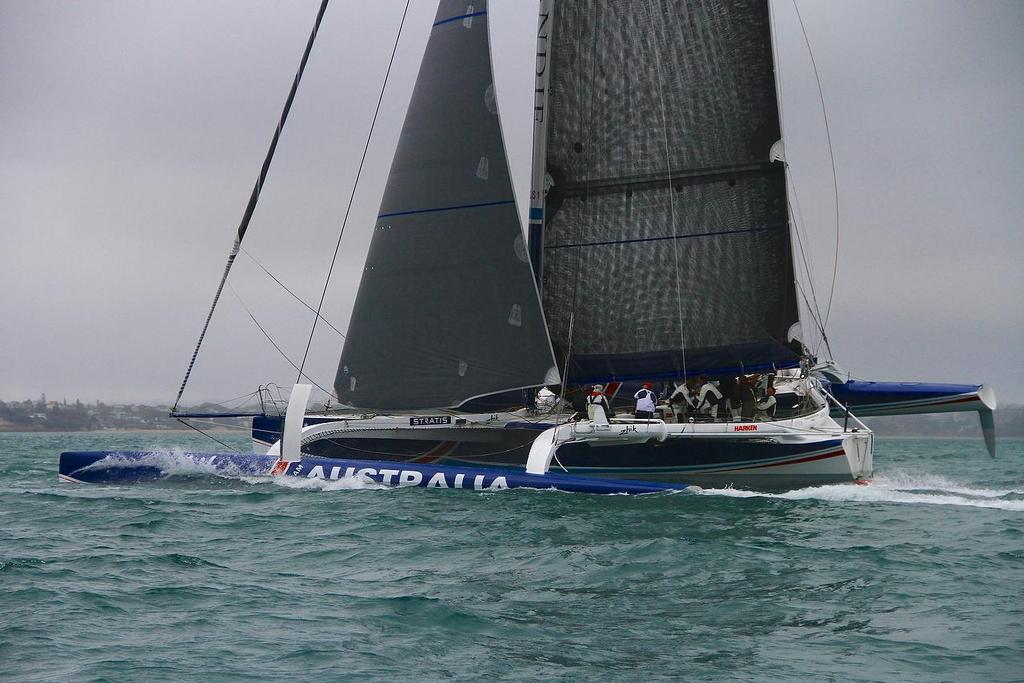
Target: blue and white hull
<point>495,451</point>
<point>782,454</point>
<point>125,467</point>
<point>874,399</point>
<point>869,399</point>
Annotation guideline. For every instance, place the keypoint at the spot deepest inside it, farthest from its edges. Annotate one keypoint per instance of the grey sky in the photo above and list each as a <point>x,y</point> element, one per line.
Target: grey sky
<point>133,132</point>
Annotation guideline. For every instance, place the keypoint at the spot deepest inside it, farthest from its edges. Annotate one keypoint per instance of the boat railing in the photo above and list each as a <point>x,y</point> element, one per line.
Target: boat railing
<point>847,414</point>
<point>807,408</point>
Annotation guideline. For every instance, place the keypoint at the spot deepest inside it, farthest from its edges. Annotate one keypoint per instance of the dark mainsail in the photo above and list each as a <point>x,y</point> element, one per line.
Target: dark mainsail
<point>666,229</point>
<point>447,308</point>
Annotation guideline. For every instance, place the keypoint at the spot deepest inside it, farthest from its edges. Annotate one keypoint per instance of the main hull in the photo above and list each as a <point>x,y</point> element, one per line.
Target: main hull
<point>748,455</point>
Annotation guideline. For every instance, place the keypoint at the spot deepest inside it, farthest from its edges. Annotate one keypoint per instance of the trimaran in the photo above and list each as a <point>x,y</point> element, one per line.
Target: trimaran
<point>658,250</point>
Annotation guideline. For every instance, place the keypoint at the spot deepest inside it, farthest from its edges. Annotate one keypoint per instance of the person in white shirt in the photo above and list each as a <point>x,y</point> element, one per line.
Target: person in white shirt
<point>598,399</point>
<point>646,400</point>
<point>708,399</point>
<point>766,406</point>
<point>682,391</point>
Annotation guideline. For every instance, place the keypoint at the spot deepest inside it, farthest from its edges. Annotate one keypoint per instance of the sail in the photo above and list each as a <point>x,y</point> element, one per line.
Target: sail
<point>447,308</point>
<point>666,232</point>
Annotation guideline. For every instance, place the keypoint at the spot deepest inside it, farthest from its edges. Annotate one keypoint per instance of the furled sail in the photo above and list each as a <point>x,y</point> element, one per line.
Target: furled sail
<point>666,236</point>
<point>447,308</point>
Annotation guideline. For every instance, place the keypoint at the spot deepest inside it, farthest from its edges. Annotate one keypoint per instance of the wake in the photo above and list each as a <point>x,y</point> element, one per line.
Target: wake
<point>898,488</point>
<point>176,463</point>
<point>895,487</point>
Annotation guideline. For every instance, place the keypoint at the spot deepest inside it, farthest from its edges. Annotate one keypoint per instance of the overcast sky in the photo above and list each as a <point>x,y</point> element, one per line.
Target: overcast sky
<point>133,132</point>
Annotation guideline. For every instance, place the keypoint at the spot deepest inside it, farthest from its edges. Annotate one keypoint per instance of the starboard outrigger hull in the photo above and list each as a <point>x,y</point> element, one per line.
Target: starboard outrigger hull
<point>875,399</point>
<point>870,399</point>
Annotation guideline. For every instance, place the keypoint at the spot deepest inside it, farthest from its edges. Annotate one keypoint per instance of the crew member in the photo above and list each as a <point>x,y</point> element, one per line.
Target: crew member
<point>681,390</point>
<point>681,394</point>
<point>708,399</point>
<point>646,400</point>
<point>748,397</point>
<point>732,397</point>
<point>766,406</point>
<point>597,398</point>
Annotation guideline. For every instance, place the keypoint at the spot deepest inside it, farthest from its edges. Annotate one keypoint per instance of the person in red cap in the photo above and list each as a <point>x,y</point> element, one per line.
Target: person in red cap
<point>646,400</point>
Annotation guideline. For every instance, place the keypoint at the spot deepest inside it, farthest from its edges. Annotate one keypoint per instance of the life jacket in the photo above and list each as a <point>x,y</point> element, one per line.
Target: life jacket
<point>645,400</point>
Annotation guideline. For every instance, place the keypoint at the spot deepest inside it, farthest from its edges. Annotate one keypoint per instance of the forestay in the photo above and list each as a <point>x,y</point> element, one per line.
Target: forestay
<point>447,307</point>
<point>666,227</point>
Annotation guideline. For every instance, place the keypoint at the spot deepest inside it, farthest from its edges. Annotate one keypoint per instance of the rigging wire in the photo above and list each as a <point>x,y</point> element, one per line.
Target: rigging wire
<point>671,199</point>
<point>561,394</point>
<point>589,111</point>
<point>355,185</point>
<point>832,159</point>
<point>206,434</point>
<point>565,374</point>
<point>253,198</point>
<point>274,344</point>
<point>222,425</point>
<point>237,400</point>
<point>815,312</point>
<point>797,219</point>
<point>777,57</point>
<point>293,294</point>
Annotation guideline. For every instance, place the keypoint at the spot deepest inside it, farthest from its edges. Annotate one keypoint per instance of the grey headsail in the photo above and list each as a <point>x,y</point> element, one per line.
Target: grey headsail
<point>666,228</point>
<point>447,308</point>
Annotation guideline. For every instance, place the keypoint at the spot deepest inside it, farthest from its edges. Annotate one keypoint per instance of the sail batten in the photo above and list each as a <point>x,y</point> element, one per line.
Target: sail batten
<point>672,177</point>
<point>434,209</point>
<point>719,233</point>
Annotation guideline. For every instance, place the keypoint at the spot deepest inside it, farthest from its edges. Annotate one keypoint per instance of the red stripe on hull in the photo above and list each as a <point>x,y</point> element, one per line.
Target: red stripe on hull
<point>810,458</point>
<point>436,453</point>
<point>965,399</point>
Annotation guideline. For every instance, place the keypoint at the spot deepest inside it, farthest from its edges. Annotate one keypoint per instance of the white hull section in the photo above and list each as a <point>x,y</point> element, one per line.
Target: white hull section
<point>807,450</point>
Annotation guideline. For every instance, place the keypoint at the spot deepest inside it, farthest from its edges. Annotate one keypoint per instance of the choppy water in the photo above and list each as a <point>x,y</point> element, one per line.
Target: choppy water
<point>917,577</point>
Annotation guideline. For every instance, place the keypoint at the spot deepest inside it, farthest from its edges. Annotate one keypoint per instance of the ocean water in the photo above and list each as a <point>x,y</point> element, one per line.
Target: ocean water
<point>917,577</point>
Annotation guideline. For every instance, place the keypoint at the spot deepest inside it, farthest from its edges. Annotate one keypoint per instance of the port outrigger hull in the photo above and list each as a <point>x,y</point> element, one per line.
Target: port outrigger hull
<point>123,467</point>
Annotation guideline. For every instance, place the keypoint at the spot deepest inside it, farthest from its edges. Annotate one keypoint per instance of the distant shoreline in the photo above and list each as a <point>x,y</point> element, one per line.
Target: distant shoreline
<point>122,430</point>
<point>223,430</point>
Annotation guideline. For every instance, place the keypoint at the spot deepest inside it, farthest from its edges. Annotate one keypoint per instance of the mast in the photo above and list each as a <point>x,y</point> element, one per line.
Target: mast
<point>538,188</point>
